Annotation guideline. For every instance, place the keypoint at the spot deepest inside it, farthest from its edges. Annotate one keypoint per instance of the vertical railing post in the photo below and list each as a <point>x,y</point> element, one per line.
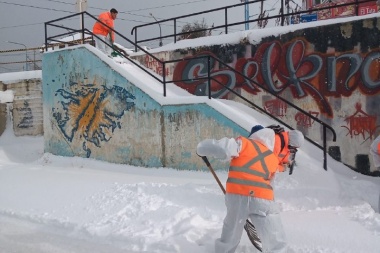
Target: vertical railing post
<point>136,40</point>
<point>209,76</point>
<point>164,78</point>
<point>357,7</point>
<point>82,15</point>
<point>175,30</point>
<point>282,13</point>
<point>225,21</point>
<point>46,45</point>
<point>324,148</point>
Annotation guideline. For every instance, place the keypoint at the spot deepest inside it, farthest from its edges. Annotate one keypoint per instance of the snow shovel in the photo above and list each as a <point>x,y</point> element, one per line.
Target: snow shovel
<point>117,51</point>
<point>249,227</point>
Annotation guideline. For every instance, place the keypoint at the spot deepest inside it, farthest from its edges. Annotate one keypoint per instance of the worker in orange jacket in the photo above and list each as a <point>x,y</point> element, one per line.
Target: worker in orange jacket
<point>248,191</point>
<point>103,33</point>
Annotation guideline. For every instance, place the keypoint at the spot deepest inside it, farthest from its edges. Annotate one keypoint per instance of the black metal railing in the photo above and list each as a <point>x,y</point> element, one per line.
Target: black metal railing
<point>162,79</point>
<point>175,19</point>
<point>282,17</point>
<point>209,78</point>
<point>57,39</point>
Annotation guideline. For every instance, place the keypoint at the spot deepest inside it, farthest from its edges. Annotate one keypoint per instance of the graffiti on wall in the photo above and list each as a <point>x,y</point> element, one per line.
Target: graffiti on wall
<point>304,120</point>
<point>156,66</point>
<point>360,123</point>
<point>278,67</point>
<point>91,112</point>
<point>26,116</point>
<point>276,107</point>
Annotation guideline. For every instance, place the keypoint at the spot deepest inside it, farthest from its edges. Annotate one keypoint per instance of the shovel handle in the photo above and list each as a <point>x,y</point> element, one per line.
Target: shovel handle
<point>204,158</point>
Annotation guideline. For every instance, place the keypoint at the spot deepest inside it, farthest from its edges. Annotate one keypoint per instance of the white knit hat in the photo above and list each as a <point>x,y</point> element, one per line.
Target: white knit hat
<point>296,138</point>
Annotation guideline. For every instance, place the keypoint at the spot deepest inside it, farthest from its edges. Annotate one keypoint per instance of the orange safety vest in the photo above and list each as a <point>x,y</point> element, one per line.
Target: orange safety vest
<point>101,29</point>
<point>378,147</point>
<point>281,149</point>
<point>250,173</point>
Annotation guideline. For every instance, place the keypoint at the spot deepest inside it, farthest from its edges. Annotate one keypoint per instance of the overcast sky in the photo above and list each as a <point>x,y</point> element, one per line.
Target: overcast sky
<point>23,21</point>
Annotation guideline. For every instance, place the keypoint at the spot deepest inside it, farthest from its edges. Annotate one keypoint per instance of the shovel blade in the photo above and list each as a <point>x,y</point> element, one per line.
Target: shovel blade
<point>252,235</point>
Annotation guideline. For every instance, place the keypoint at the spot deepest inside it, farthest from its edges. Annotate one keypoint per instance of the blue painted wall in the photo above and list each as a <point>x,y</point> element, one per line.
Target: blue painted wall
<point>93,111</point>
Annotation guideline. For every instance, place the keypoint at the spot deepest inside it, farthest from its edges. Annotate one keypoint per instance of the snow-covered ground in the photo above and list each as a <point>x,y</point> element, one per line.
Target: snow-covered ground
<point>53,204</point>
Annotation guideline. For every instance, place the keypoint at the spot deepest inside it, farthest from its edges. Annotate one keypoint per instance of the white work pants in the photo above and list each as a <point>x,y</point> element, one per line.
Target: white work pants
<point>264,215</point>
<point>99,44</point>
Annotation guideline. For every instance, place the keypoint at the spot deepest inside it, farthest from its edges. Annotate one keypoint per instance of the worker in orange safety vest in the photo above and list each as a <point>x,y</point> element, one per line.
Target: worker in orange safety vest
<point>103,33</point>
<point>249,193</point>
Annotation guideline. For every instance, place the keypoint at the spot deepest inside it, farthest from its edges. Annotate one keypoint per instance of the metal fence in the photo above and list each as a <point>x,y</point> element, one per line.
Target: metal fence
<point>23,59</point>
<point>284,16</point>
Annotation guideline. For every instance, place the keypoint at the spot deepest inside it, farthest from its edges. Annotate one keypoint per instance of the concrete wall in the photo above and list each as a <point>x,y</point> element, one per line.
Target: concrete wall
<point>332,72</point>
<point>27,105</point>
<point>91,110</point>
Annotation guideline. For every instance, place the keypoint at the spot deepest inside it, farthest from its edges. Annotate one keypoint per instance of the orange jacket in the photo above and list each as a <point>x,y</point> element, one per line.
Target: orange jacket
<point>250,173</point>
<point>100,29</point>
<point>283,155</point>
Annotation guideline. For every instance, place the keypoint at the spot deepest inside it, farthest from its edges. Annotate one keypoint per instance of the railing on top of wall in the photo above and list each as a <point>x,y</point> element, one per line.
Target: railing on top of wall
<point>84,31</point>
<point>208,58</point>
<point>281,17</point>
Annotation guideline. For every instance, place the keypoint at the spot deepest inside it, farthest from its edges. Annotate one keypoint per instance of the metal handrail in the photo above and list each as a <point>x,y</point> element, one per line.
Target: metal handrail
<point>208,77</point>
<point>281,16</point>
<point>86,31</point>
<point>190,15</point>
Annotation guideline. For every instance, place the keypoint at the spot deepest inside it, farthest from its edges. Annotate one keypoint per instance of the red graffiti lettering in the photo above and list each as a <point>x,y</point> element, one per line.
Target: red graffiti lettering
<point>156,66</point>
<point>360,123</point>
<point>304,120</point>
<point>276,107</point>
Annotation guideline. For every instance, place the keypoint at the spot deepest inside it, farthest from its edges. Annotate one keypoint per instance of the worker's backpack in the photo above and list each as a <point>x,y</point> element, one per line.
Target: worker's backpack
<point>279,131</point>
